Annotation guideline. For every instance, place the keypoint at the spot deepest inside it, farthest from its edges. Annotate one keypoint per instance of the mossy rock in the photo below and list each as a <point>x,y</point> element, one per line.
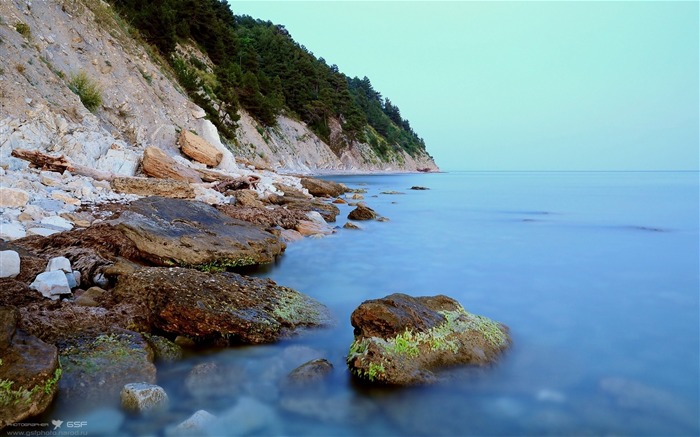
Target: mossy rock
<point>96,367</point>
<point>401,340</point>
<point>29,372</point>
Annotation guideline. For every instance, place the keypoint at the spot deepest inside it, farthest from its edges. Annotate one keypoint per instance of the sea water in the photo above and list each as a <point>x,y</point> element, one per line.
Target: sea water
<point>596,274</point>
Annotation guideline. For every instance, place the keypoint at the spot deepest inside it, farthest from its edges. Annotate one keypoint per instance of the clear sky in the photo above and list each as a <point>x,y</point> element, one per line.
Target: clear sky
<point>527,85</point>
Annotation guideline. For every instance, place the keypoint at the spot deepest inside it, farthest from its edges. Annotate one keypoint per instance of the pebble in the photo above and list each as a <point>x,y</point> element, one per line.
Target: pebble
<point>9,264</point>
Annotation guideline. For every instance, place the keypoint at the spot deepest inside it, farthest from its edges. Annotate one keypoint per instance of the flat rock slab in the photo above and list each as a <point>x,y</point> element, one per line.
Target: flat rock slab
<point>221,308</point>
<point>153,187</point>
<point>401,340</point>
<point>171,232</point>
<point>323,188</point>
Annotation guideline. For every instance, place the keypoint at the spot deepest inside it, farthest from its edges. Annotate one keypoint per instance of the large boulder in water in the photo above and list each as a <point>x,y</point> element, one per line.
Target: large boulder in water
<point>29,371</point>
<point>401,339</point>
<point>217,307</point>
<point>190,233</point>
<point>323,188</point>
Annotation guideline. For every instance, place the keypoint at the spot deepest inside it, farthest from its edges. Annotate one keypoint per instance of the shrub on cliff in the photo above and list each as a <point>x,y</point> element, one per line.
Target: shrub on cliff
<point>87,89</point>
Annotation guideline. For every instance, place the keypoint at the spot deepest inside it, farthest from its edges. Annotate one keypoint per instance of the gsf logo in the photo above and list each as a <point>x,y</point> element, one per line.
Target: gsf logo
<point>76,424</point>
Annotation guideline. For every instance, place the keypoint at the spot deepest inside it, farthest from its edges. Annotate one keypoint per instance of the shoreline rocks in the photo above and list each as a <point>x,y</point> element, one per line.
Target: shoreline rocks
<point>401,340</point>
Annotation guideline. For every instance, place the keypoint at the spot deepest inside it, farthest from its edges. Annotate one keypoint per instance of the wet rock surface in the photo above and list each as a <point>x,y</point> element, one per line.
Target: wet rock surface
<point>401,339</point>
<point>181,232</point>
<point>217,307</point>
<point>29,371</point>
<point>362,212</point>
<point>323,188</point>
<point>97,366</point>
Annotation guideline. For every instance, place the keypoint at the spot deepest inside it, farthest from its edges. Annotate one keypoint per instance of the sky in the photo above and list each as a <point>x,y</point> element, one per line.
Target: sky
<point>521,85</point>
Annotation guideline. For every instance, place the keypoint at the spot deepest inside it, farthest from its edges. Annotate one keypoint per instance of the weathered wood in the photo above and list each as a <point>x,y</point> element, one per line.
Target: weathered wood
<point>159,165</point>
<point>60,164</point>
<point>199,149</point>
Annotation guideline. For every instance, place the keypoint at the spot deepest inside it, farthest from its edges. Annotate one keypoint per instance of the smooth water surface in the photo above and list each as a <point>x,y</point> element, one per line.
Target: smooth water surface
<point>596,274</point>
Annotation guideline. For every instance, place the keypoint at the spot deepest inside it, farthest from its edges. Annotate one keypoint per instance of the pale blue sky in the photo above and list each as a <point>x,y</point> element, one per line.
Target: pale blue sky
<point>521,85</point>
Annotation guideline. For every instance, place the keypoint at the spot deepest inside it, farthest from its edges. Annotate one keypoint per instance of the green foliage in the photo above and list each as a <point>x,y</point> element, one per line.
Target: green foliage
<point>258,66</point>
<point>10,396</point>
<point>23,29</point>
<point>88,90</point>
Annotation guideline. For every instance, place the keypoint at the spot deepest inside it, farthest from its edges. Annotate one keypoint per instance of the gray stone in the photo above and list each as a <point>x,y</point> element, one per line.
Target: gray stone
<point>59,263</point>
<point>71,280</point>
<point>143,397</point>
<point>41,231</point>
<point>9,264</point>
<point>51,284</point>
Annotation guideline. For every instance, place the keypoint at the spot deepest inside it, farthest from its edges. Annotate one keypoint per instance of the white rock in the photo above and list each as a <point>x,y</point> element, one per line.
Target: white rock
<point>143,397</point>
<point>76,276</point>
<point>58,222</point>
<point>207,195</point>
<point>195,424</point>
<point>44,232</point>
<point>198,113</point>
<point>34,211</point>
<point>12,231</point>
<point>9,264</point>
<point>50,178</point>
<point>316,217</point>
<point>51,284</point>
<point>13,197</point>
<point>209,132</point>
<point>59,263</point>
<point>2,171</point>
<point>100,280</point>
<point>119,161</point>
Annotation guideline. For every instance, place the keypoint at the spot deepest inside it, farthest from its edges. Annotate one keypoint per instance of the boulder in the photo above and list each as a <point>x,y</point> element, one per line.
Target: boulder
<point>51,284</point>
<point>323,188</point>
<point>222,308</point>
<point>29,371</point>
<point>401,339</point>
<point>190,233</point>
<point>164,350</point>
<point>268,218</point>
<point>159,165</point>
<point>351,225</point>
<point>13,197</point>
<point>297,201</point>
<point>311,371</point>
<point>362,212</point>
<point>57,222</point>
<point>210,379</point>
<point>199,149</point>
<point>142,397</point>
<point>153,187</point>
<point>9,264</point>
<point>12,231</point>
<point>97,367</point>
<point>314,225</point>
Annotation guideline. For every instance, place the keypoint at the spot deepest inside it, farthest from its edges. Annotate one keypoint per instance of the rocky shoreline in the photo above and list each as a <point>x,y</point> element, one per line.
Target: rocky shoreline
<point>102,281</point>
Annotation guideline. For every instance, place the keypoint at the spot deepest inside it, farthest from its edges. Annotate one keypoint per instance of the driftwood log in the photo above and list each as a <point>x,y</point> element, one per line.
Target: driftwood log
<point>60,164</point>
<point>218,181</point>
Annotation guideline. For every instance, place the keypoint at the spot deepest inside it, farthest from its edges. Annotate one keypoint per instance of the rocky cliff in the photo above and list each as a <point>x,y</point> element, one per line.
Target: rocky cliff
<point>46,45</point>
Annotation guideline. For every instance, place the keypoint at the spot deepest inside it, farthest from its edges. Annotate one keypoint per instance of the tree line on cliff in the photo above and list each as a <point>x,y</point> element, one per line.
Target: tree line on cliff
<point>259,67</point>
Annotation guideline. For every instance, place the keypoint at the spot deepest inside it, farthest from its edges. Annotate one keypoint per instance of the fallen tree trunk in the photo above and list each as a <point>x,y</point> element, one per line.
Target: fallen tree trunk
<point>60,164</point>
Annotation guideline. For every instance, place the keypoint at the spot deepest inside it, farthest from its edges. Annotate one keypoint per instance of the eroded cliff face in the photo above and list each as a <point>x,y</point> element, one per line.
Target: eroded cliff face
<point>45,43</point>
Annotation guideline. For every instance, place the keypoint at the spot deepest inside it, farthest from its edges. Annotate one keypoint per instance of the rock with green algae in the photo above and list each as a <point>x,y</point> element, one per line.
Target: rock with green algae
<point>97,366</point>
<point>216,308</point>
<point>29,371</point>
<point>401,340</point>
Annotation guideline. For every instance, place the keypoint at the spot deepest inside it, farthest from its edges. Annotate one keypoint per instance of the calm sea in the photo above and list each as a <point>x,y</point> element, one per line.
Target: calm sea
<point>596,274</point>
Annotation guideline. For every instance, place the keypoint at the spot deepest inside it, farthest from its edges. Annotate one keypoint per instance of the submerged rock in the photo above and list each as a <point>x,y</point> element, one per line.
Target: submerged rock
<point>142,397</point>
<point>29,371</point>
<point>190,233</point>
<point>400,339</point>
<point>99,366</point>
<point>210,380</point>
<point>217,307</point>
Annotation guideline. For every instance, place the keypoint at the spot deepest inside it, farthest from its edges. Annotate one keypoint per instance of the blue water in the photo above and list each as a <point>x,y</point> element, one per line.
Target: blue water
<point>596,274</point>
